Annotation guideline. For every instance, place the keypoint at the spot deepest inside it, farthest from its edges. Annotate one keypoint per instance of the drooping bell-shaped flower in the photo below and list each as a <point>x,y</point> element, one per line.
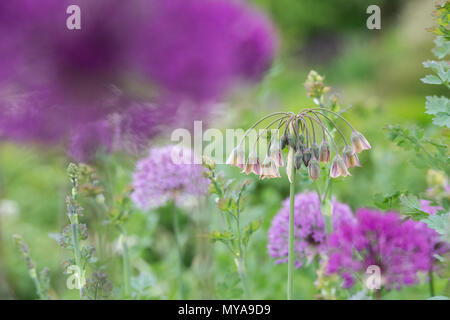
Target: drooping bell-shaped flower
<point>237,157</point>
<point>350,159</point>
<point>324,152</point>
<point>314,168</point>
<point>269,169</point>
<point>252,164</point>
<point>232,158</point>
<point>338,168</point>
<point>359,142</point>
<point>275,154</point>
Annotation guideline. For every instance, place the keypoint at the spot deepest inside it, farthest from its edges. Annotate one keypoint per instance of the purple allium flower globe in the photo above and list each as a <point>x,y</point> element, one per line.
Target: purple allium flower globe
<point>55,81</point>
<point>400,249</point>
<point>202,46</point>
<point>164,176</point>
<point>309,228</point>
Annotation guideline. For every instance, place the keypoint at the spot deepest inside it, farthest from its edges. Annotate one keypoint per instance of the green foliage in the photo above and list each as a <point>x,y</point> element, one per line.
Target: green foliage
<point>411,207</point>
<point>442,17</point>
<point>231,199</point>
<point>428,153</point>
<point>439,107</point>
<point>440,223</point>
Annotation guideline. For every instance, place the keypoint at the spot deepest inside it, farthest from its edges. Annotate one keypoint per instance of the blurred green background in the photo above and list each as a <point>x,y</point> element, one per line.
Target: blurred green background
<point>374,72</point>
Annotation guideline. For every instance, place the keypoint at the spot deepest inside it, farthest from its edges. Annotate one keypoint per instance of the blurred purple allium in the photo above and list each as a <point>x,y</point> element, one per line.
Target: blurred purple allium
<point>135,62</point>
<point>203,46</point>
<point>400,249</point>
<point>309,228</point>
<point>163,176</point>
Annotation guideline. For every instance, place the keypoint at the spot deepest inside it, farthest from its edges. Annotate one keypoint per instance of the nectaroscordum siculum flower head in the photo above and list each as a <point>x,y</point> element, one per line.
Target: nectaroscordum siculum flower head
<point>299,134</point>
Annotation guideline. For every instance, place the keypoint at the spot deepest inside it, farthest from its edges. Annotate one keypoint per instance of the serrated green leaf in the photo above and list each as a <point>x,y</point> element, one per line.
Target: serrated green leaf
<point>411,207</point>
<point>442,48</point>
<point>439,222</point>
<point>439,107</point>
<point>431,79</point>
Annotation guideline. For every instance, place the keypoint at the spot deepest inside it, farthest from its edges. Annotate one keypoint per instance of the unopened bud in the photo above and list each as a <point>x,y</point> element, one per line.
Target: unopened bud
<point>306,156</point>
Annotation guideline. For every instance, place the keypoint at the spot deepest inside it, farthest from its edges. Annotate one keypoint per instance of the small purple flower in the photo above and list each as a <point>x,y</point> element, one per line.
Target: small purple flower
<point>399,249</point>
<point>309,228</point>
<point>164,176</point>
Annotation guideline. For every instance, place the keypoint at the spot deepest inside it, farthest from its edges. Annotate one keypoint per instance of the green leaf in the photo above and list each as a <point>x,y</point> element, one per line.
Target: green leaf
<point>250,229</point>
<point>411,207</point>
<point>227,205</point>
<point>221,236</point>
<point>439,222</point>
<point>440,108</point>
<point>431,79</point>
<point>442,48</point>
<point>388,200</point>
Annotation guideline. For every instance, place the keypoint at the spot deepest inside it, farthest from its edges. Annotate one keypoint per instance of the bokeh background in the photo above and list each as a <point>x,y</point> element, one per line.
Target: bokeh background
<point>375,73</point>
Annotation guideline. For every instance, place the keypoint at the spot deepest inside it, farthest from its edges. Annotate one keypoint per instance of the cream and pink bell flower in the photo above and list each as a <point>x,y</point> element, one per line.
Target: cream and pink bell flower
<point>269,170</point>
<point>350,159</point>
<point>359,142</point>
<point>338,168</point>
<point>252,164</point>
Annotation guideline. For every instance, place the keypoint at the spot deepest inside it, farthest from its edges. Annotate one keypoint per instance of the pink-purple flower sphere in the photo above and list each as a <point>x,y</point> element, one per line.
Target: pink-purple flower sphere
<point>309,228</point>
<point>399,248</point>
<point>170,173</point>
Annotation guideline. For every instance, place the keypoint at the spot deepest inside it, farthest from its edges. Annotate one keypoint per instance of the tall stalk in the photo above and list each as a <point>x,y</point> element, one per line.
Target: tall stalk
<point>126,263</point>
<point>179,251</point>
<point>430,274</point>
<point>73,217</point>
<point>290,286</point>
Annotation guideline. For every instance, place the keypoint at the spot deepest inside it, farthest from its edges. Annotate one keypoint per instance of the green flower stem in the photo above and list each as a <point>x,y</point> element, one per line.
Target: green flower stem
<point>430,274</point>
<point>76,249</point>
<point>240,259</point>
<point>37,284</point>
<point>179,251</point>
<point>290,286</point>
<point>126,263</point>
<point>242,270</point>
